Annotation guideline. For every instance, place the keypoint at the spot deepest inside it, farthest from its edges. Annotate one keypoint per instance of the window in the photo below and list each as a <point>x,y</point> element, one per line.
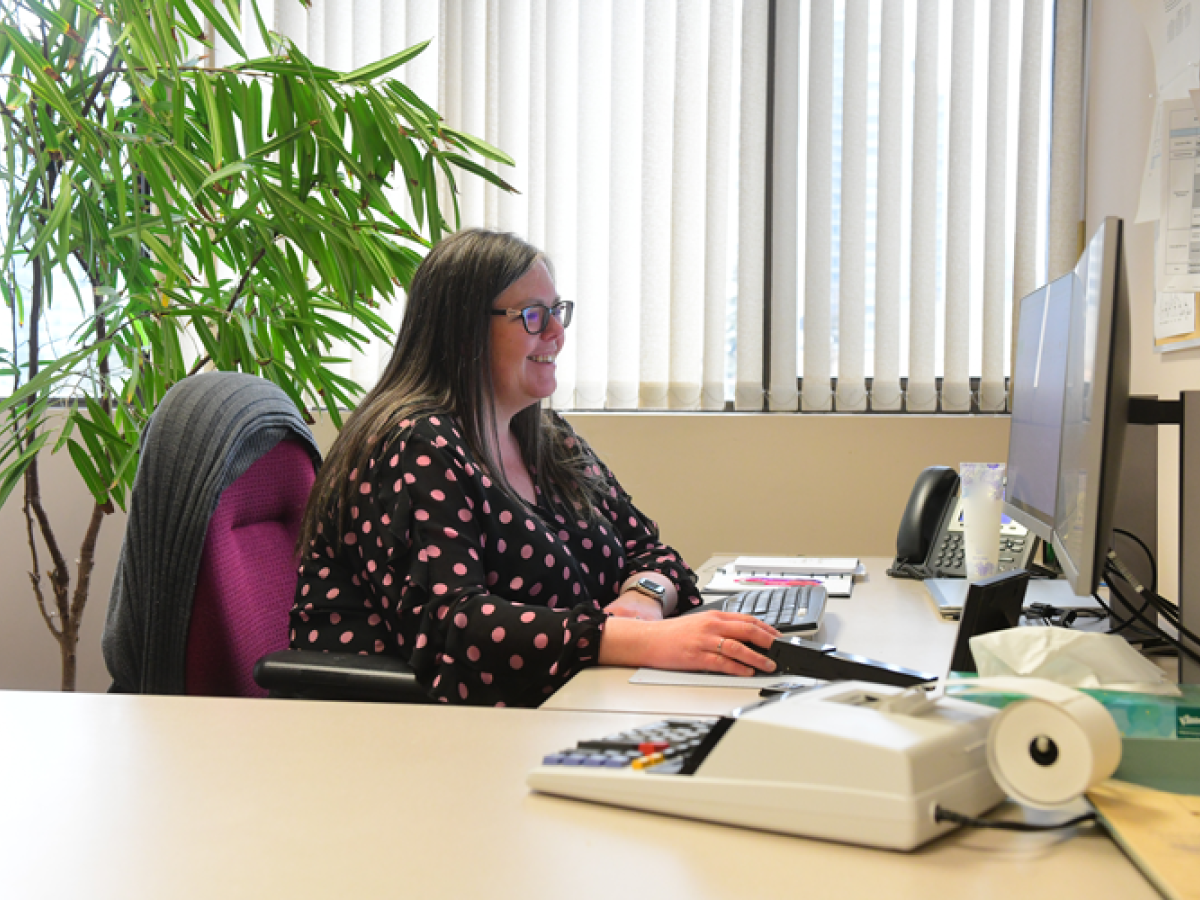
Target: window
<point>920,134</point>
<point>640,133</point>
<point>907,182</point>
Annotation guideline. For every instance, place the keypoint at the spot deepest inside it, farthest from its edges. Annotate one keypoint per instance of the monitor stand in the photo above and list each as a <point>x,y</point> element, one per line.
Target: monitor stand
<point>1184,412</point>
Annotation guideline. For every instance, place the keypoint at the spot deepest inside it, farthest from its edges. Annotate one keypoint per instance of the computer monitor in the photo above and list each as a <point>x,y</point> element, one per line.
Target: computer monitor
<point>1095,409</point>
<point>1038,383</point>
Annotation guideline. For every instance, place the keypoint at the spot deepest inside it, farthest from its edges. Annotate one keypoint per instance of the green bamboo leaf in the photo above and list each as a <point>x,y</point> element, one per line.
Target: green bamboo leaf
<point>87,471</point>
<point>62,208</point>
<point>146,45</point>
<point>433,208</point>
<point>287,201</point>
<point>48,15</point>
<point>483,148</point>
<point>13,475</point>
<point>252,116</point>
<point>220,23</point>
<point>286,140</point>
<point>44,86</point>
<point>205,89</point>
<point>410,100</point>
<point>476,169</point>
<point>163,255</point>
<point>424,127</point>
<point>179,112</point>
<point>164,24</point>
<point>374,70</point>
<point>125,469</point>
<point>230,94</point>
<point>268,39</point>
<point>235,168</point>
<point>294,64</point>
<point>191,24</point>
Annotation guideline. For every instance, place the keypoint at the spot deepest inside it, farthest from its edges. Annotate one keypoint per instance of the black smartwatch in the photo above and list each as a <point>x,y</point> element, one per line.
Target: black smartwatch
<point>650,588</point>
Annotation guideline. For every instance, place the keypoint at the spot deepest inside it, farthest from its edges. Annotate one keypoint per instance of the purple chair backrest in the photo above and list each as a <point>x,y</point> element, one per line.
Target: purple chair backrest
<point>247,578</point>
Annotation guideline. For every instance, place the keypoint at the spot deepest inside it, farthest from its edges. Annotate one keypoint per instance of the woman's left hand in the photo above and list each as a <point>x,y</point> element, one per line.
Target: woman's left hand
<point>635,605</point>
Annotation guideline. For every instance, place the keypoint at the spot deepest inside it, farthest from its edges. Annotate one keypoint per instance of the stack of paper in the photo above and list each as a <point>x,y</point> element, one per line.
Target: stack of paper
<point>747,573</point>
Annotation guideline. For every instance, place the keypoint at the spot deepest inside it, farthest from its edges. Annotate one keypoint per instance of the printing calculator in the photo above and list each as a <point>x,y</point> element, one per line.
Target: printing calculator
<point>850,761</point>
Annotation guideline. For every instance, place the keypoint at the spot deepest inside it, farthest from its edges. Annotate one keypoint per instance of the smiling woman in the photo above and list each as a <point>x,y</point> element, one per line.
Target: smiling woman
<point>460,526</point>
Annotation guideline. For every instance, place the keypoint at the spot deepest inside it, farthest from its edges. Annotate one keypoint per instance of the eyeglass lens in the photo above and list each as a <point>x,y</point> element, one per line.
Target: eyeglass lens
<point>537,317</point>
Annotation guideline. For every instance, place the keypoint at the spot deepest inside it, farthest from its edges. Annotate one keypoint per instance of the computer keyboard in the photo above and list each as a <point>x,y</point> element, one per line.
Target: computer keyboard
<point>795,609</point>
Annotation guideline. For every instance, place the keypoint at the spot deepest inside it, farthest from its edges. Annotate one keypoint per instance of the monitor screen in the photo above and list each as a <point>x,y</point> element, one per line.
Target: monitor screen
<point>1095,410</point>
<point>1035,435</point>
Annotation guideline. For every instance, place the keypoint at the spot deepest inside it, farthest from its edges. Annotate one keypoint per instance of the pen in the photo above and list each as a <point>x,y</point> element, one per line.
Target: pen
<point>780,582</point>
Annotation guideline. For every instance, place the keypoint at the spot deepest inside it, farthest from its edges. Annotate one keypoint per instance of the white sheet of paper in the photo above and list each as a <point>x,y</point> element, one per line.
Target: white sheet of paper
<point>1174,314</point>
<point>725,582</point>
<point>1173,29</point>
<point>1179,223</point>
<point>708,679</point>
<point>1180,48</point>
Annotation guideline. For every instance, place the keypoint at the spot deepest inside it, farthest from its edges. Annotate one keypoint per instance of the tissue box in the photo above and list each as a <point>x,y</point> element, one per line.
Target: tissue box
<point>1160,735</point>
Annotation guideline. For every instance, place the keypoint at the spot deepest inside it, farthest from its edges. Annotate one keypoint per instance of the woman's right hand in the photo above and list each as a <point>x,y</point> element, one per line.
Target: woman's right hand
<point>723,642</point>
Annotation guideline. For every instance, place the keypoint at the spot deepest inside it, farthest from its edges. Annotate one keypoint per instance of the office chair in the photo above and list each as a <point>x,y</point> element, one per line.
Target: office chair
<point>207,571</point>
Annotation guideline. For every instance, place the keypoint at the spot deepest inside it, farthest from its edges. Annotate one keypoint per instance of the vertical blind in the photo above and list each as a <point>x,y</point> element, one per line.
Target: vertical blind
<point>863,213</point>
<point>919,216</point>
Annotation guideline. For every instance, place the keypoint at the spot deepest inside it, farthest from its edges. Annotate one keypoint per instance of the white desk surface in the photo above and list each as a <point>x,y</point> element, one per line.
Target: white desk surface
<point>890,619</point>
<point>143,798</point>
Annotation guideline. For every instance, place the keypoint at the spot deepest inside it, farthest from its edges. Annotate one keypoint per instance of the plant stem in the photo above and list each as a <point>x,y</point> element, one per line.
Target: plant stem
<point>206,359</point>
<point>67,633</point>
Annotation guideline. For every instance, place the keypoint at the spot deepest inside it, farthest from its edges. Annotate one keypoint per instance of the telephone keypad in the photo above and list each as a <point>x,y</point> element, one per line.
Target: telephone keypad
<point>949,558</point>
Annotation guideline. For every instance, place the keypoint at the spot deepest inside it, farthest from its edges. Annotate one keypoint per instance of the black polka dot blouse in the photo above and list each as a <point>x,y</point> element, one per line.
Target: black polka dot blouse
<point>490,601</point>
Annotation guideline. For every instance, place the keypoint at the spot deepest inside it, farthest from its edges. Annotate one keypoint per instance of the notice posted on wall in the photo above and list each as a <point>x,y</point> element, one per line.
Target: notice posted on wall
<point>1174,315</point>
<point>1179,225</point>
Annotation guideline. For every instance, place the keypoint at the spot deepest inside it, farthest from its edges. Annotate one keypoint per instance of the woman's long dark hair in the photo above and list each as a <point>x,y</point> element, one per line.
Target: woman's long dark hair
<point>442,364</point>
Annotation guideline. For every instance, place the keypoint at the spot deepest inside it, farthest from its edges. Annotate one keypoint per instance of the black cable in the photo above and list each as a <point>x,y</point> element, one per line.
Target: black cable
<point>1149,555</point>
<point>1168,610</point>
<point>914,571</point>
<point>1124,623</point>
<point>946,815</point>
<point>1058,617</point>
<point>1154,626</point>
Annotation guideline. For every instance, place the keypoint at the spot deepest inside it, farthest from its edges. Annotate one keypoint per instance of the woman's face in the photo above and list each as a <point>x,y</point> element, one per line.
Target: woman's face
<point>523,364</point>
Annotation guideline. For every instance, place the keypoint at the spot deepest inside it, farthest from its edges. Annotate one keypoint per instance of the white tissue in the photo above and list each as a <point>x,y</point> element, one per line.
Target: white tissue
<point>1072,658</point>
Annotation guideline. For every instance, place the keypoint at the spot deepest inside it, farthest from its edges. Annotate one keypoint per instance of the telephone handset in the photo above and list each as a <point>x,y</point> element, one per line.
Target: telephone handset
<point>929,543</point>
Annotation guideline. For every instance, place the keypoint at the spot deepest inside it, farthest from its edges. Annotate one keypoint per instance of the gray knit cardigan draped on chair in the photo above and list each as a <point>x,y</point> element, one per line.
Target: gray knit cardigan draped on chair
<point>208,430</point>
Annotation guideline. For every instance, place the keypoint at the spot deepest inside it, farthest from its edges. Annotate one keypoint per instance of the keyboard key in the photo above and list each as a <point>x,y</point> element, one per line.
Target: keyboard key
<point>795,608</point>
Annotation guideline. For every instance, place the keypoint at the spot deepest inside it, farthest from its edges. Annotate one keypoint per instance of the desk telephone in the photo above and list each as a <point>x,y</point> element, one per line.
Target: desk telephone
<point>930,544</point>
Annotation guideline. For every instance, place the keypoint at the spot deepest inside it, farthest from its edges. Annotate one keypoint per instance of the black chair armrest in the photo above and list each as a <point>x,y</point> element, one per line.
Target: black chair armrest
<point>307,675</point>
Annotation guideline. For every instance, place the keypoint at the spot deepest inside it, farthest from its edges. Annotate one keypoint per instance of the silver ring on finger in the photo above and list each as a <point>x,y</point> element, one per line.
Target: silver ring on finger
<point>720,644</point>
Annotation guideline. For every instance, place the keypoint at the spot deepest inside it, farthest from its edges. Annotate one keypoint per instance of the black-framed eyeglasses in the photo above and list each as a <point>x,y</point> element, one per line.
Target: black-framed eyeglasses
<point>536,317</point>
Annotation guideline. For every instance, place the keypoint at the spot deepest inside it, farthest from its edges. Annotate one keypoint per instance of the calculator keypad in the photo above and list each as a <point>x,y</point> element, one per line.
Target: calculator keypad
<point>662,746</point>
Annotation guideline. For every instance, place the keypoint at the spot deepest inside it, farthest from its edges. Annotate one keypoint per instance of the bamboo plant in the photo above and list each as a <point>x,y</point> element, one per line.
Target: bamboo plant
<point>244,217</point>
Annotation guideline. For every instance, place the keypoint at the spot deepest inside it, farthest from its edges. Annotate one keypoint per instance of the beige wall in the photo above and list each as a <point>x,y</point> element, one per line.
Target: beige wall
<point>29,656</point>
<point>782,484</point>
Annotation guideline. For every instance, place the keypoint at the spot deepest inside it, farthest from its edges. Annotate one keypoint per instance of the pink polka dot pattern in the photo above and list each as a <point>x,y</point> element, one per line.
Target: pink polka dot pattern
<point>437,565</point>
